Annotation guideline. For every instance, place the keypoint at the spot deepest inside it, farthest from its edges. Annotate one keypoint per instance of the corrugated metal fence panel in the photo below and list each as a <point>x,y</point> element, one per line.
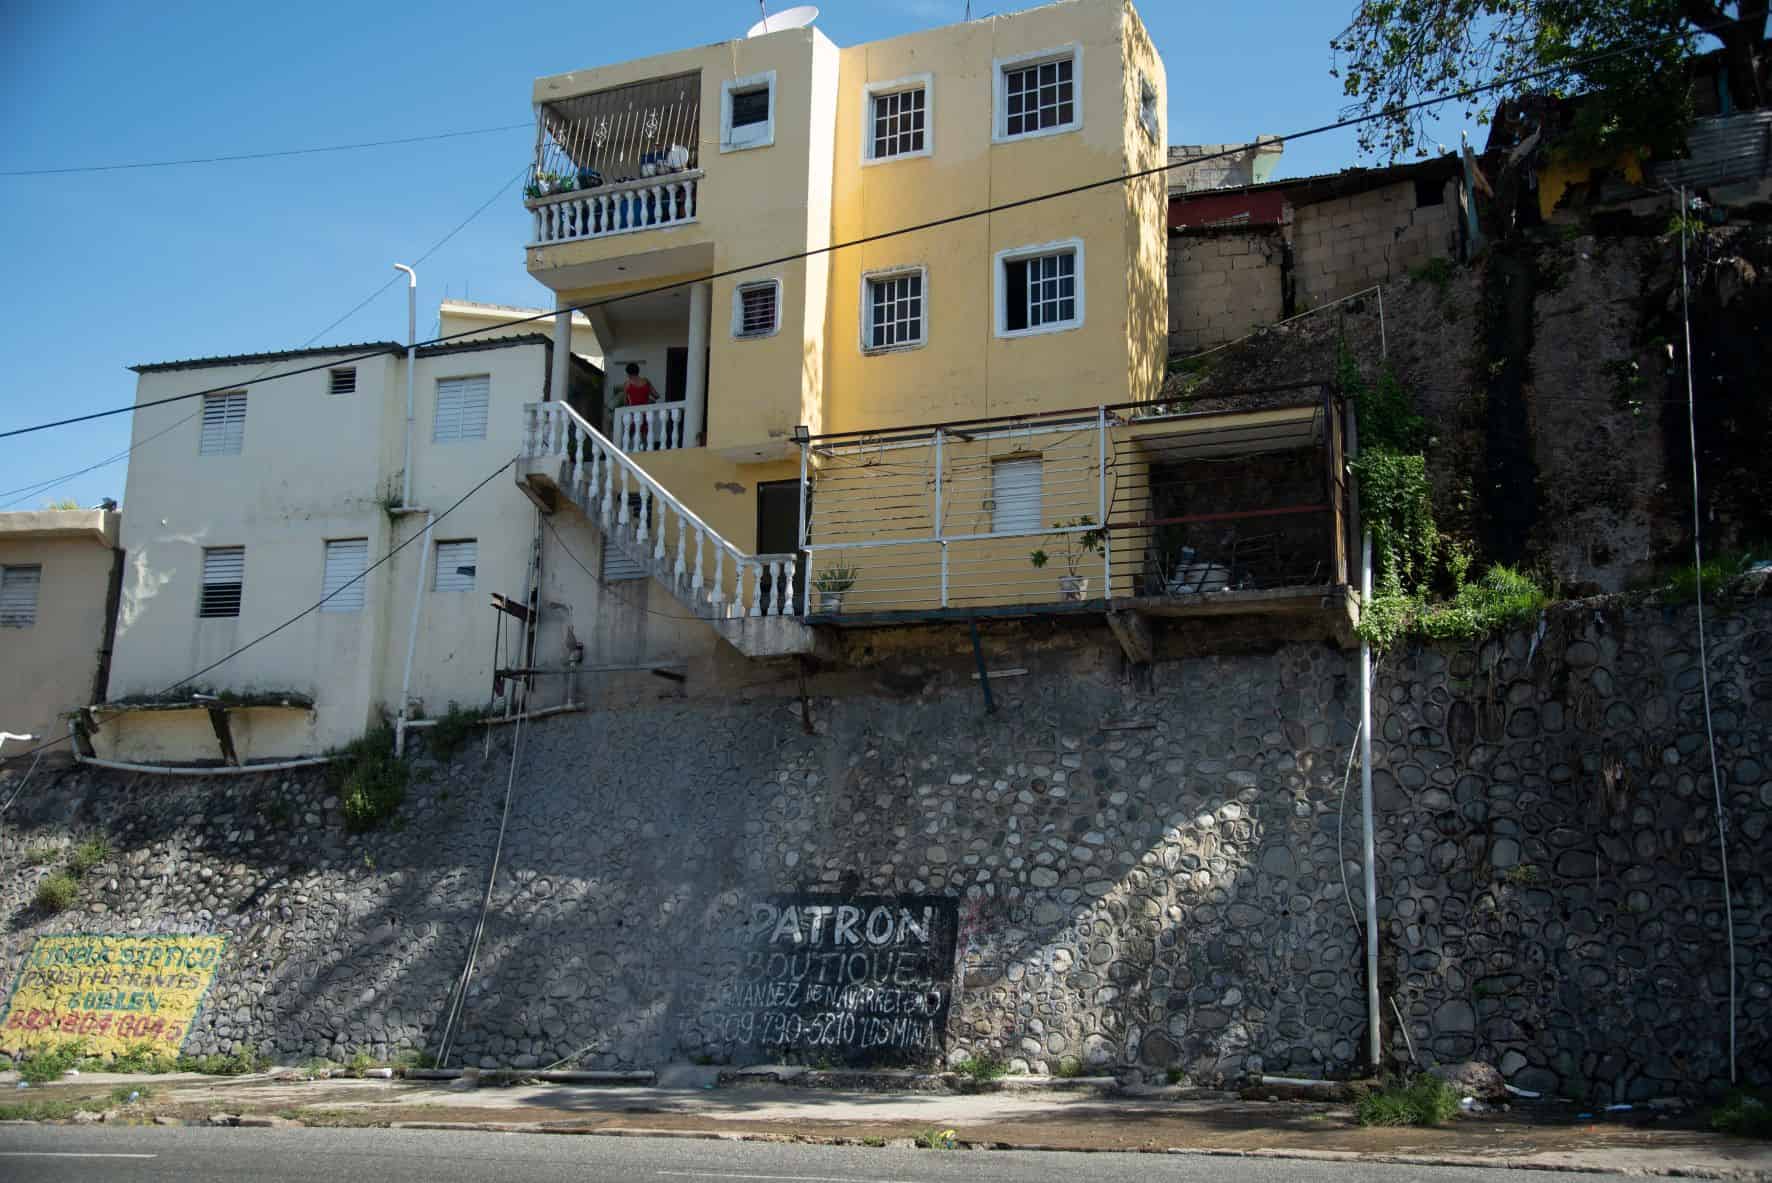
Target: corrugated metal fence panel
<point>456,565</point>
<point>18,596</point>
<point>1720,149</point>
<point>346,560</point>
<point>461,409</point>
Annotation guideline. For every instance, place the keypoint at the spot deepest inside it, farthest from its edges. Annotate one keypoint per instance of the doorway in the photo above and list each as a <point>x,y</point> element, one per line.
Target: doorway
<point>778,532</point>
<point>676,386</point>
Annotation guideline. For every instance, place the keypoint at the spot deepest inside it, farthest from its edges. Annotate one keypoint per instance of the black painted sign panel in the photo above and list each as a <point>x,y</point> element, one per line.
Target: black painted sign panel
<point>857,980</point>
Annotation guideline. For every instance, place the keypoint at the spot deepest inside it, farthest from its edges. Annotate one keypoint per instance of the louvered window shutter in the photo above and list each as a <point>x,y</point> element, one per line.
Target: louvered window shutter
<point>346,560</point>
<point>18,596</point>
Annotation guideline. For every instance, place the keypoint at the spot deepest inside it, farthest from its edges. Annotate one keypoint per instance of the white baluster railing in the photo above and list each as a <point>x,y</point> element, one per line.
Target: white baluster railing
<point>654,428</point>
<point>622,208</point>
<point>652,524</point>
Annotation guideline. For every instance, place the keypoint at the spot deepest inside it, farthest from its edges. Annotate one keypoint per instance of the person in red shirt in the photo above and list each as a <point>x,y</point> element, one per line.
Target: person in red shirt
<point>638,390</point>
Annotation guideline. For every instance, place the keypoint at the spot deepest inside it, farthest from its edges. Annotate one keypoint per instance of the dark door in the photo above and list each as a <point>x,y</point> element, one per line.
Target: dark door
<point>778,531</point>
<point>676,373</point>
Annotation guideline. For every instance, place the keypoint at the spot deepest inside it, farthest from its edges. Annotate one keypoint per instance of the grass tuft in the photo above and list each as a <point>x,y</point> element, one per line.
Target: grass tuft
<point>938,1139</point>
<point>1426,1100</point>
<point>88,855</point>
<point>452,733</point>
<point>51,1064</point>
<point>982,1068</point>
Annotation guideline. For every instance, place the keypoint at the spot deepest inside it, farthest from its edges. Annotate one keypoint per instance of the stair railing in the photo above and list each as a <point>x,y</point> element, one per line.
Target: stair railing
<point>647,521</point>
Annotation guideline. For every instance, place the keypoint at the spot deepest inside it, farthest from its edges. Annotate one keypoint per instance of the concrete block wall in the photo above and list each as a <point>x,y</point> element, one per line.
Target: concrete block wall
<point>1349,243</point>
<point>1223,285</point>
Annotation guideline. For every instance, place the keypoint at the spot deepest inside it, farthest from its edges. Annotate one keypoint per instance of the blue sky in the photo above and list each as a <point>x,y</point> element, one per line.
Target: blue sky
<point>107,269</point>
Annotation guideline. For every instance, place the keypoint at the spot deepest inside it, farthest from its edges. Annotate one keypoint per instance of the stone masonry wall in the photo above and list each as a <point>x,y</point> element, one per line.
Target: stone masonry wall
<point>1139,876</point>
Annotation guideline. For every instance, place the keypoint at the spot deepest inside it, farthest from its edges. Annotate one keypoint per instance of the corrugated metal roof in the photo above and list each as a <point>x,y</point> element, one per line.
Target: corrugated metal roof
<point>240,359</point>
<point>1721,149</point>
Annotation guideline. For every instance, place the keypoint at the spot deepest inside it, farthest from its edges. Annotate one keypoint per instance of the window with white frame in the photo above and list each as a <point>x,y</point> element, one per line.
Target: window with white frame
<point>1039,94</point>
<point>342,381</point>
<point>18,595</point>
<point>461,409</point>
<point>342,582</point>
<point>897,119</point>
<point>893,310</point>
<point>1147,107</point>
<point>747,112</point>
<point>1015,495</point>
<point>456,565</point>
<point>224,424</point>
<point>1040,289</point>
<point>224,581</point>
<point>756,308</point>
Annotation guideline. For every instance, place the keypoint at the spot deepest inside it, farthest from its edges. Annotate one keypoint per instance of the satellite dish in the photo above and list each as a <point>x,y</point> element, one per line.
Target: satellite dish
<point>788,18</point>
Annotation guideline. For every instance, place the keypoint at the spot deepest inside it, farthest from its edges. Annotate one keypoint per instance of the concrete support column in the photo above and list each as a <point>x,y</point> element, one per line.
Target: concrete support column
<point>695,417</point>
<point>561,380</point>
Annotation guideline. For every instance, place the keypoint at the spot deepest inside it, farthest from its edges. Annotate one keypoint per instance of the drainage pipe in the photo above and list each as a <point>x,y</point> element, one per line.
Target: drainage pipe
<point>1368,854</point>
<point>411,368</point>
<point>418,600</point>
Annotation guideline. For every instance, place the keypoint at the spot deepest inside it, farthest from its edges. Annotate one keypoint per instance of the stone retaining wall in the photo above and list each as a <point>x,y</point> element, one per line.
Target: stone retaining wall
<point>1141,876</point>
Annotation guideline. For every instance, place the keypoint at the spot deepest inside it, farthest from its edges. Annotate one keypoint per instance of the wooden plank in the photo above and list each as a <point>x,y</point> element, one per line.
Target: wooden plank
<point>1133,631</point>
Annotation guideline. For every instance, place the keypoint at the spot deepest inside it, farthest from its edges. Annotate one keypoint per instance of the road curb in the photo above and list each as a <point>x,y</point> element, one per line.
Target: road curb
<point>1331,1156</point>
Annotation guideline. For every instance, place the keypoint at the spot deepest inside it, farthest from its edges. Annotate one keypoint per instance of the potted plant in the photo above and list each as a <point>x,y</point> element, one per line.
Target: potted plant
<point>831,583</point>
<point>1077,543</point>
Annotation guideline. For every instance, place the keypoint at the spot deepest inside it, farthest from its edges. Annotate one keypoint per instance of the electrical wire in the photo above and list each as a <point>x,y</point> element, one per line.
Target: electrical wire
<point>916,228</point>
<point>311,608</point>
<point>1710,734</point>
<point>111,168</point>
<point>26,492</point>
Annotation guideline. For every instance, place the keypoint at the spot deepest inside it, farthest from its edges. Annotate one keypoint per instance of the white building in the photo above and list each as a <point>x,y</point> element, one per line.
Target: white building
<point>246,504</point>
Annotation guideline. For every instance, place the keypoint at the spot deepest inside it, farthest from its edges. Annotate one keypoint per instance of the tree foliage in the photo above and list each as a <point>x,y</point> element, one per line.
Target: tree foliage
<point>1397,52</point>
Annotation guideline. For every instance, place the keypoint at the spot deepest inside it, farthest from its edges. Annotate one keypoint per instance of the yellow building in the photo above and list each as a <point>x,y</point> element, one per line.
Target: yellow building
<point>58,574</point>
<point>856,350</point>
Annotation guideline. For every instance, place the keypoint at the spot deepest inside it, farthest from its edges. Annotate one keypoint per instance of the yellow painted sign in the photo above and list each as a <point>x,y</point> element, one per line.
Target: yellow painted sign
<point>114,992</point>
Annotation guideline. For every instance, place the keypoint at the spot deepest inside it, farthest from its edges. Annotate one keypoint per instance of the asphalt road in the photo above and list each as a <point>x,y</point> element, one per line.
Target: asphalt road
<point>51,1154</point>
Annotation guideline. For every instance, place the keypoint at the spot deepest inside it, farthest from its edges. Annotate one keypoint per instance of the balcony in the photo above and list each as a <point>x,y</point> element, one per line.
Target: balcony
<point>617,161</point>
<point>657,428</point>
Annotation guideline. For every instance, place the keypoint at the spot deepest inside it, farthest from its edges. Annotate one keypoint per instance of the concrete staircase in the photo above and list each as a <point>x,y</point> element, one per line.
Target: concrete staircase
<point>748,599</point>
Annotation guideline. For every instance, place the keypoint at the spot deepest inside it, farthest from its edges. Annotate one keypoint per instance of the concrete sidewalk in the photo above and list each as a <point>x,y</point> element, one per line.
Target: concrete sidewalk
<point>1051,1119</point>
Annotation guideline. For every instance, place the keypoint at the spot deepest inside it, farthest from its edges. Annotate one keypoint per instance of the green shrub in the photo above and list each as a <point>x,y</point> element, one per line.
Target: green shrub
<point>131,1094</point>
<point>58,892</point>
<point>40,856</point>
<point>1719,570</point>
<point>359,1063</point>
<point>88,855</point>
<point>370,779</point>
<point>1748,1114</point>
<point>424,1060</point>
<point>1068,1067</point>
<point>1426,1100</point>
<point>51,1064</point>
<point>938,1139</point>
<point>143,1056</point>
<point>982,1068</point>
<point>1437,271</point>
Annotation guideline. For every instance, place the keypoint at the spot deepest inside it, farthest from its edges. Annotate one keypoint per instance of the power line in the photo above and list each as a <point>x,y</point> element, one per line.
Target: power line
<point>111,168</point>
<point>315,606</point>
<point>40,487</point>
<point>917,228</point>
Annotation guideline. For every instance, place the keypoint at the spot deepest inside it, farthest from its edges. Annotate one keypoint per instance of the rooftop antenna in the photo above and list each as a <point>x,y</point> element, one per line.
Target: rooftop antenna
<point>788,18</point>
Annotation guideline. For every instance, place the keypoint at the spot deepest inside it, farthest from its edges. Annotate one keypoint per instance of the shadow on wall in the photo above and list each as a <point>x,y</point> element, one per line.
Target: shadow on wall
<point>1146,877</point>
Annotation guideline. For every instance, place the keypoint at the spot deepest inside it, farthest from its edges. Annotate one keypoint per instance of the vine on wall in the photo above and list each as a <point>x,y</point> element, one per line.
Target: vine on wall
<point>1413,558</point>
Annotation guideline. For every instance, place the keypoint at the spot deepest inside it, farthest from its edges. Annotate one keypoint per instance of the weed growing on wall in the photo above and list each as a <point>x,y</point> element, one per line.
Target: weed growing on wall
<point>1747,1114</point>
<point>370,779</point>
<point>1410,553</point>
<point>58,892</point>
<point>88,855</point>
